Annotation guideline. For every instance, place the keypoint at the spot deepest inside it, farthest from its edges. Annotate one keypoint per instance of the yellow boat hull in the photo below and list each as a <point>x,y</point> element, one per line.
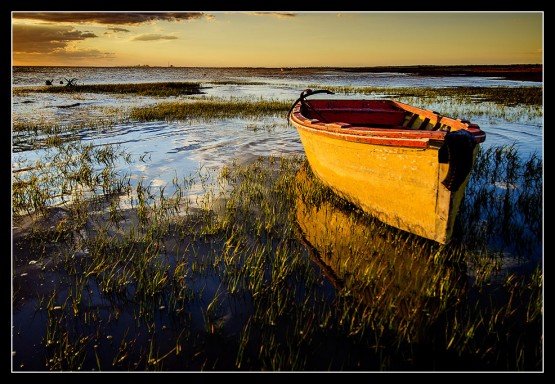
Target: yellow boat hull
<point>400,186</point>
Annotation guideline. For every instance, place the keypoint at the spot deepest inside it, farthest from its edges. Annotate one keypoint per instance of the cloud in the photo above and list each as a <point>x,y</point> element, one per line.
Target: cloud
<point>114,29</point>
<point>45,38</point>
<point>109,18</point>
<point>82,54</point>
<point>63,57</point>
<point>279,15</point>
<point>153,37</point>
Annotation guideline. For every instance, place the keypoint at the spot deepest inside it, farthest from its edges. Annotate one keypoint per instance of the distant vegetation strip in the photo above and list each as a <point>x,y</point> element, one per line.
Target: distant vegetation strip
<point>237,82</point>
<point>214,108</point>
<point>210,109</point>
<point>500,95</point>
<point>142,89</point>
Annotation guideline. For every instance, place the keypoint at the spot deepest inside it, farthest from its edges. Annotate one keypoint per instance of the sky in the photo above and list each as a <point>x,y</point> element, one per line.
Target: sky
<point>276,39</point>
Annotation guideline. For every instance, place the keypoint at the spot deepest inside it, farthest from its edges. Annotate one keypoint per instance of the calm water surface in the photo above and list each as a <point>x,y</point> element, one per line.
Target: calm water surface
<point>181,148</point>
<point>185,147</point>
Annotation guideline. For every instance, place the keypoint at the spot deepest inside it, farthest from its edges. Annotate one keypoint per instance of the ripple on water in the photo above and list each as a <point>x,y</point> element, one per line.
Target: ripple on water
<point>187,146</point>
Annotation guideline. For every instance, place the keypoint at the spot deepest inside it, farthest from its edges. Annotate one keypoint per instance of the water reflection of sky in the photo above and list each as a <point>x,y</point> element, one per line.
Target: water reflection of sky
<point>24,76</point>
<point>170,149</point>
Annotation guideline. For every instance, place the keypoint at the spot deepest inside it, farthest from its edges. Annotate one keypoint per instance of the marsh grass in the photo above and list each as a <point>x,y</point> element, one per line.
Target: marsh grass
<point>237,82</point>
<point>210,109</point>
<point>504,193</point>
<point>137,278</point>
<point>43,133</point>
<point>64,172</point>
<point>231,274</point>
<point>509,96</point>
<point>514,104</point>
<point>168,89</point>
<point>462,102</point>
<point>510,104</point>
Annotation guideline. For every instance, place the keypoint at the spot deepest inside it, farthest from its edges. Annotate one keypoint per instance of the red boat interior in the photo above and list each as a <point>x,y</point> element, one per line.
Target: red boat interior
<point>368,113</point>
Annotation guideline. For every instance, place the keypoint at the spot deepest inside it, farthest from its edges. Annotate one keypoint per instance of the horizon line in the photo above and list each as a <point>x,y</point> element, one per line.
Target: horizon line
<point>272,67</point>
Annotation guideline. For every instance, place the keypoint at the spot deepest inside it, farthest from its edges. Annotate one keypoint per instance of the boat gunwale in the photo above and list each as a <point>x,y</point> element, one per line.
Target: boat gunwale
<point>393,136</point>
<point>398,141</point>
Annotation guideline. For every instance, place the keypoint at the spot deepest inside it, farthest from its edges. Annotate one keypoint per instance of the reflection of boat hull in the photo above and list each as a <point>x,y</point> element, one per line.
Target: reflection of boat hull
<point>401,277</point>
<point>406,166</point>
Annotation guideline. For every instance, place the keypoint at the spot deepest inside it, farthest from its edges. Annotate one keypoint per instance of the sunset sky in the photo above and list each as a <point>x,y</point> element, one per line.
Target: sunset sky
<point>276,39</point>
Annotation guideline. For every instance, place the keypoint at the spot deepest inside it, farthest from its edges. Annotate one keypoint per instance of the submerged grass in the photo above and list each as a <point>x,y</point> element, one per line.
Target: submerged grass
<point>252,274</point>
<point>234,281</point>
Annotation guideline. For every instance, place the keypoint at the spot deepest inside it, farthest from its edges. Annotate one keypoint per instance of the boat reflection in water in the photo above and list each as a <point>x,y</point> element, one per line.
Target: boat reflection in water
<point>403,282</point>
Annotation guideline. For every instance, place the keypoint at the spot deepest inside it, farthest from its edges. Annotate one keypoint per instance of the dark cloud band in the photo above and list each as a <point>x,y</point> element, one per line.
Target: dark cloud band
<point>154,36</point>
<point>115,29</point>
<point>45,38</point>
<point>109,18</point>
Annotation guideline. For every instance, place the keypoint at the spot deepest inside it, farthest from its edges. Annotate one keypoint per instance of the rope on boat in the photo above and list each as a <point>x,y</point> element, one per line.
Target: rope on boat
<point>458,151</point>
<point>304,94</point>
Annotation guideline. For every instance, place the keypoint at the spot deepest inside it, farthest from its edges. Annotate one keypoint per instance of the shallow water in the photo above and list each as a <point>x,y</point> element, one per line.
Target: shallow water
<point>28,76</point>
<point>163,150</point>
<point>185,147</point>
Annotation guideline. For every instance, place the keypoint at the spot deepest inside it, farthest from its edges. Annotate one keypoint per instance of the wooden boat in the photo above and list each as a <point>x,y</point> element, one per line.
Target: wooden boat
<point>404,165</point>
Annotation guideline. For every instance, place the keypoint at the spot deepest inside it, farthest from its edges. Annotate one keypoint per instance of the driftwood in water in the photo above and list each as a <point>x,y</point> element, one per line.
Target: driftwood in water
<point>70,82</point>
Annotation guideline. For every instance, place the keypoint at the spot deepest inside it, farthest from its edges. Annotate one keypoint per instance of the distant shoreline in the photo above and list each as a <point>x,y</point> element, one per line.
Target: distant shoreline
<point>519,72</point>
<point>522,72</point>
